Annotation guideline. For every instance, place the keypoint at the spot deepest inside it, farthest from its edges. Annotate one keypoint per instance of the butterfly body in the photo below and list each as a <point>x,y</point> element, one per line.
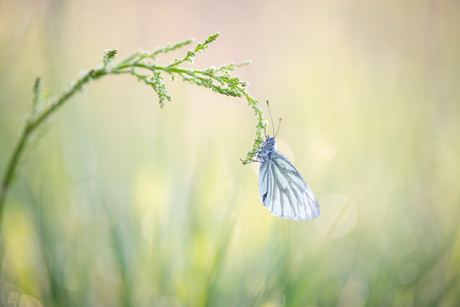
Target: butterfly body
<point>281,187</point>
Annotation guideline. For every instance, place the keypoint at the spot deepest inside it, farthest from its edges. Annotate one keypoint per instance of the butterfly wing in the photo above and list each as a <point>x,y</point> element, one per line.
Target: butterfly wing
<point>283,190</point>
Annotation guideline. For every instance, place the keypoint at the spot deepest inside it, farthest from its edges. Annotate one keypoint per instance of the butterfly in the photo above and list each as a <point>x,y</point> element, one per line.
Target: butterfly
<point>281,187</point>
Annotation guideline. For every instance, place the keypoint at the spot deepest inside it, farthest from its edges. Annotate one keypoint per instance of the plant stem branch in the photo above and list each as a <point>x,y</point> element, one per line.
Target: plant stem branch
<point>30,126</point>
<point>217,79</point>
<point>11,169</point>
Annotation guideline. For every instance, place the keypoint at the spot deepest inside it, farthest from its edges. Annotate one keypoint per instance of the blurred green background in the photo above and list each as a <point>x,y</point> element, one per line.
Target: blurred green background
<point>120,203</point>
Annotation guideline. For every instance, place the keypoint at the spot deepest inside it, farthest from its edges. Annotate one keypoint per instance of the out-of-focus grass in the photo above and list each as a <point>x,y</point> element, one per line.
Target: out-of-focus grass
<point>123,204</point>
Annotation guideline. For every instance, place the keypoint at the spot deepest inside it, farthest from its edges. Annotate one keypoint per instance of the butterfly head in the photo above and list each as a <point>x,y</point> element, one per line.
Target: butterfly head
<point>269,143</point>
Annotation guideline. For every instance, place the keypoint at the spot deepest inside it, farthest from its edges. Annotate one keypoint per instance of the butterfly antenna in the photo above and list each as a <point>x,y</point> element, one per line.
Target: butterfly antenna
<point>279,125</point>
<point>273,124</point>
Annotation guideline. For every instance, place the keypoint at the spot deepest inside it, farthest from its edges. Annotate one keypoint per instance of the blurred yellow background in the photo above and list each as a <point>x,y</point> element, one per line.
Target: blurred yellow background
<point>120,203</point>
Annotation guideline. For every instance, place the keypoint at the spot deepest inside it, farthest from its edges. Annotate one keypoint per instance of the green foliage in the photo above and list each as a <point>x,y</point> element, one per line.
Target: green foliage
<point>109,55</point>
<point>143,66</point>
<point>198,49</point>
<point>37,90</point>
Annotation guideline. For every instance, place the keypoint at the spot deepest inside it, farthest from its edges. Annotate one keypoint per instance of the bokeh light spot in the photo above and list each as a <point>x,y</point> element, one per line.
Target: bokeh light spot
<point>339,215</point>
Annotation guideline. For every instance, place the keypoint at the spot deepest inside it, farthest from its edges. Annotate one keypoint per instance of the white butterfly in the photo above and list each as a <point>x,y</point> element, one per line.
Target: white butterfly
<point>281,187</point>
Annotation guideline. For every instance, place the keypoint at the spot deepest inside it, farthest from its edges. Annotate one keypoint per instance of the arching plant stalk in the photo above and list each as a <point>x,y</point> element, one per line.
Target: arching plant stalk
<point>143,66</point>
